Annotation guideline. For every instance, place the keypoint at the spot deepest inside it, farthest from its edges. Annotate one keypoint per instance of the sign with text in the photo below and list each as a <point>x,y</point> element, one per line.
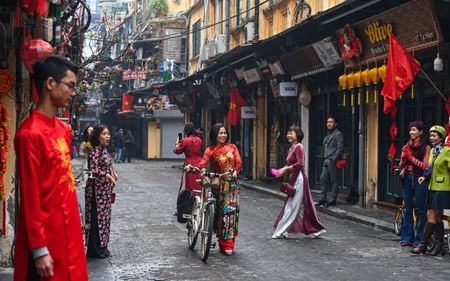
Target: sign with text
<point>288,89</point>
<point>251,76</point>
<point>327,52</point>
<point>414,23</point>
<point>134,74</point>
<point>172,44</point>
<point>248,112</point>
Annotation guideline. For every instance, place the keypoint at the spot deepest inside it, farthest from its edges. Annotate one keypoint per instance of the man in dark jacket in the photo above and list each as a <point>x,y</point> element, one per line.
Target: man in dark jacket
<point>118,144</point>
<point>129,142</point>
<point>333,146</point>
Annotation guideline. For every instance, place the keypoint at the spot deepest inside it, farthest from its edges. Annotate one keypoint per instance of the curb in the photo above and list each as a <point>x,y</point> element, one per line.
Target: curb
<point>332,211</point>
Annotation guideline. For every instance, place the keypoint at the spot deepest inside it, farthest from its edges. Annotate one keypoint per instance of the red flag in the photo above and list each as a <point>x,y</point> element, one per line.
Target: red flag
<point>236,102</point>
<point>127,102</point>
<point>401,70</point>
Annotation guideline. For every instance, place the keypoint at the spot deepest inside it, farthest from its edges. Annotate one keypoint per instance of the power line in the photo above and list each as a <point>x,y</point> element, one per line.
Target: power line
<point>182,34</point>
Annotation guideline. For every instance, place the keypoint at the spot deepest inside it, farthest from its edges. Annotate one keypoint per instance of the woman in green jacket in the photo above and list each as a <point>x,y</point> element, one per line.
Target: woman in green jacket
<point>438,177</point>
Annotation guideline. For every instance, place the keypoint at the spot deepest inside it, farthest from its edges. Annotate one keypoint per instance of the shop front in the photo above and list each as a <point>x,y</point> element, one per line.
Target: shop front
<point>417,26</point>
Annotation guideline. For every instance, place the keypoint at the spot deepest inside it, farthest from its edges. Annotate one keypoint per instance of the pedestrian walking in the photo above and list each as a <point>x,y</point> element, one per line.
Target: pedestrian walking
<point>191,146</point>
<point>118,143</point>
<point>130,142</point>
<point>74,144</point>
<point>437,175</point>
<point>333,146</point>
<point>298,214</point>
<point>49,241</point>
<point>99,194</point>
<point>413,161</point>
<point>224,157</point>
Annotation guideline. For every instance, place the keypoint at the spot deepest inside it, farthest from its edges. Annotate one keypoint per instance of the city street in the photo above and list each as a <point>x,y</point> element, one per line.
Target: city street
<point>147,243</point>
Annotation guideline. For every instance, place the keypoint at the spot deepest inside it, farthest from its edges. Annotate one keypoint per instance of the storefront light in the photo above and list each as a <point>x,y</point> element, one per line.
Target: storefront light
<point>438,63</point>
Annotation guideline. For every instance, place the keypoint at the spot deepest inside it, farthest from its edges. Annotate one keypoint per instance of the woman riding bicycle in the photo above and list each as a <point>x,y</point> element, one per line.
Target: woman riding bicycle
<point>224,157</point>
<point>413,161</point>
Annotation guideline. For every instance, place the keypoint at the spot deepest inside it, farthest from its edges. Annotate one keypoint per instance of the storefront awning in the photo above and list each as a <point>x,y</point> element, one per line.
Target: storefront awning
<point>153,90</point>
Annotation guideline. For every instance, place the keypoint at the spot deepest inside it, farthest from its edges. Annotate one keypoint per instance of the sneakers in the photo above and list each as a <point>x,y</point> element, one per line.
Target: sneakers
<point>284,236</point>
<point>319,233</point>
<point>228,252</point>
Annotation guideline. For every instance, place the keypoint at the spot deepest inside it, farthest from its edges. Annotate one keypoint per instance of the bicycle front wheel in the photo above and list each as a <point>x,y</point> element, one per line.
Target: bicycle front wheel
<point>192,226</point>
<point>207,232</point>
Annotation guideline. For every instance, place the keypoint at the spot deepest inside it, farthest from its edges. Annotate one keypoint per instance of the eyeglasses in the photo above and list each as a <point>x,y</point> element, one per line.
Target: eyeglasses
<point>72,87</point>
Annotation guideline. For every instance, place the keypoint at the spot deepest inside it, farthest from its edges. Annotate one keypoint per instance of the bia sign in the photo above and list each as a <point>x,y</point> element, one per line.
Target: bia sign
<point>288,89</point>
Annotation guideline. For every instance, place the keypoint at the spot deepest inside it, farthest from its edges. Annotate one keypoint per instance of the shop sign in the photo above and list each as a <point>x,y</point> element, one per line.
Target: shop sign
<point>251,76</point>
<point>134,74</point>
<point>288,89</point>
<point>414,23</point>
<point>326,52</point>
<point>248,112</point>
<point>172,44</point>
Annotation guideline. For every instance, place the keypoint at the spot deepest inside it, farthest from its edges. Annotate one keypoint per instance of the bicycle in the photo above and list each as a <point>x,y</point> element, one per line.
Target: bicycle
<point>398,218</point>
<point>201,219</point>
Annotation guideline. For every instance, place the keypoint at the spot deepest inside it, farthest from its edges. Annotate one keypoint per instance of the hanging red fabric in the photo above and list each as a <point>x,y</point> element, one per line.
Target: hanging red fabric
<point>236,102</point>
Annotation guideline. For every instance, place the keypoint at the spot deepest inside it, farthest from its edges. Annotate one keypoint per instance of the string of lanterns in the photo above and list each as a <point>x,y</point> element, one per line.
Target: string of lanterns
<point>354,81</point>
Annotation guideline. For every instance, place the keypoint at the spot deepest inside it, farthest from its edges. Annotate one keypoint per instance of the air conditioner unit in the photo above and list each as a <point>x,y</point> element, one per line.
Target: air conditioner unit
<point>212,49</point>
<point>221,43</point>
<point>249,31</point>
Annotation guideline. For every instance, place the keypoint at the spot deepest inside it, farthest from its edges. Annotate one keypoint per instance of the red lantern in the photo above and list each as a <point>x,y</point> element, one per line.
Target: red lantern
<point>35,50</point>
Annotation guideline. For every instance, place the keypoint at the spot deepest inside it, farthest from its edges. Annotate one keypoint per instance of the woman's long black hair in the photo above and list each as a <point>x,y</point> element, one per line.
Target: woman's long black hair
<point>95,139</point>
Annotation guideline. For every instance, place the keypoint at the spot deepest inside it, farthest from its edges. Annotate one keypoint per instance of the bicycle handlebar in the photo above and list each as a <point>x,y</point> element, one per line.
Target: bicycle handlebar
<point>193,169</point>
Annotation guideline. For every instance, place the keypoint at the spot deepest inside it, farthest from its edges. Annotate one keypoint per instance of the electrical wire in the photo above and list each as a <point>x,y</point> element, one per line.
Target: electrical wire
<point>182,34</point>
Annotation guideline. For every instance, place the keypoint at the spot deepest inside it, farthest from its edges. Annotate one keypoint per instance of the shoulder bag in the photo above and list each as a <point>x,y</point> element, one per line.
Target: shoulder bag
<point>287,188</point>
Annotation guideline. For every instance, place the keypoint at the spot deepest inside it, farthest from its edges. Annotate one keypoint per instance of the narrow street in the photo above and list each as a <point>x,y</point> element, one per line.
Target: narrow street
<point>147,243</point>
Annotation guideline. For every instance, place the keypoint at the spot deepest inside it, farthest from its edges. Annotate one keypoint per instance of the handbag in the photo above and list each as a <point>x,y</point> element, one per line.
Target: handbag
<point>341,163</point>
<point>287,189</point>
<point>113,197</point>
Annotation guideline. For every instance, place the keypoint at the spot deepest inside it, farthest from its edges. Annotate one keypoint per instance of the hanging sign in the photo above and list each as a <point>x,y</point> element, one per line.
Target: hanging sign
<point>288,89</point>
<point>248,112</point>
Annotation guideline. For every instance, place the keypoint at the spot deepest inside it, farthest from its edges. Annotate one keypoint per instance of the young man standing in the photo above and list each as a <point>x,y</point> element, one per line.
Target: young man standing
<point>49,243</point>
<point>333,146</point>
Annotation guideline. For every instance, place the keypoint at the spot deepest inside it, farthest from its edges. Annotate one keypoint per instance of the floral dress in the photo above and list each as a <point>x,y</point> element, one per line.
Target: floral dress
<point>224,158</point>
<point>98,198</point>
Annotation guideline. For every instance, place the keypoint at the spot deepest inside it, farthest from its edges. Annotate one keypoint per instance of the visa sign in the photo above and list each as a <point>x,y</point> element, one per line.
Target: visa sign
<point>288,89</point>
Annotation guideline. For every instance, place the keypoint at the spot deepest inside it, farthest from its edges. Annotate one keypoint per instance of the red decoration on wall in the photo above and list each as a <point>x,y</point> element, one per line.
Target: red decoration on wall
<point>350,44</point>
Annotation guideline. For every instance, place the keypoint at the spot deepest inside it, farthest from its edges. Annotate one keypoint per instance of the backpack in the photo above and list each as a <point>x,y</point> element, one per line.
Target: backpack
<point>185,201</point>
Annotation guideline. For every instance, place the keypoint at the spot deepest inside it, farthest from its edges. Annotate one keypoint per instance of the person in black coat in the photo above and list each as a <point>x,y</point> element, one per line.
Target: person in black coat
<point>129,142</point>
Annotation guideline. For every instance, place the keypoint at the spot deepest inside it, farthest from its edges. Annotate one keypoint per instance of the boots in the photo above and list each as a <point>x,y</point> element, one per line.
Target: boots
<point>422,247</point>
<point>438,240</point>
